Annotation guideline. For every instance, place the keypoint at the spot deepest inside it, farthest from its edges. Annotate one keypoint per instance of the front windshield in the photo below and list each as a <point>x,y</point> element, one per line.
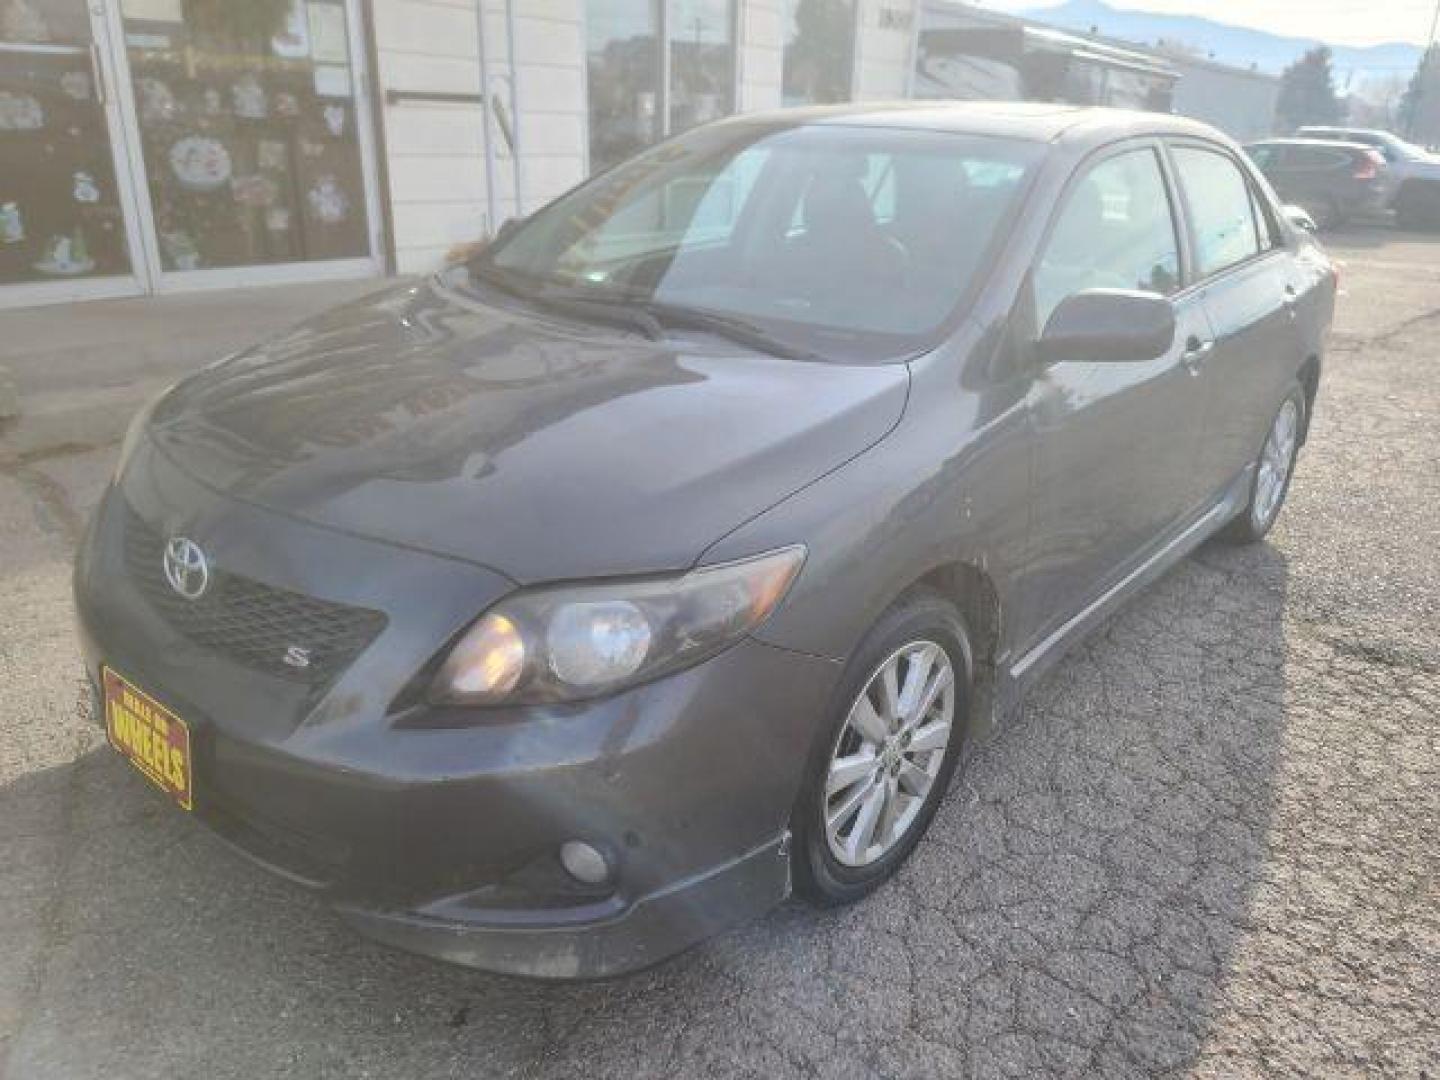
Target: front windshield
<point>820,235</point>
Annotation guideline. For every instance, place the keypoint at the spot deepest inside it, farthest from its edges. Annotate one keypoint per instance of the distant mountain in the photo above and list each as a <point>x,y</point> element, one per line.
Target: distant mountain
<point>1228,44</point>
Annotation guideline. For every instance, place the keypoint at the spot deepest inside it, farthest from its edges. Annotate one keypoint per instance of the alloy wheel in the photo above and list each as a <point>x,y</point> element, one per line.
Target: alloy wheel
<point>1276,460</point>
<point>888,753</point>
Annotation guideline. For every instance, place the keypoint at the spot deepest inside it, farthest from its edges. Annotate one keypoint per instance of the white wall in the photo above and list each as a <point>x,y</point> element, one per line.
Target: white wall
<point>882,49</point>
<point>1239,103</point>
<point>761,54</point>
<point>435,152</point>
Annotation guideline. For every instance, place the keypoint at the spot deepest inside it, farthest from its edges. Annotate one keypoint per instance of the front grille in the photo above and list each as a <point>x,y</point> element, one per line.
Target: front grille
<point>249,622</point>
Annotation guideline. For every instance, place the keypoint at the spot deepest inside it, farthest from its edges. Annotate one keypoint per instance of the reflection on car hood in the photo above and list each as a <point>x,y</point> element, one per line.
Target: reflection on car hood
<point>540,448</point>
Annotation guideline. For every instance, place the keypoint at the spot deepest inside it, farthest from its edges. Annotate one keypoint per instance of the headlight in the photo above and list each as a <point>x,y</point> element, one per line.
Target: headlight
<point>575,642</point>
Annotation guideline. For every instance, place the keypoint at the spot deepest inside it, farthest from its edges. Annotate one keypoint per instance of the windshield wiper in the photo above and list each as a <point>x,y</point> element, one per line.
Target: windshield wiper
<point>732,327</point>
<point>615,311</point>
<point>650,317</point>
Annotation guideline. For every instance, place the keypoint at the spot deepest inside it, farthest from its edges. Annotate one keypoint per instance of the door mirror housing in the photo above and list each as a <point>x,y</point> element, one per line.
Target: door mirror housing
<point>1299,217</point>
<point>1108,326</point>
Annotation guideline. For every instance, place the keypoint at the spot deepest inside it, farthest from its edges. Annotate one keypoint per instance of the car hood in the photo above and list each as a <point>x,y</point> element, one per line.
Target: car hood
<point>540,448</point>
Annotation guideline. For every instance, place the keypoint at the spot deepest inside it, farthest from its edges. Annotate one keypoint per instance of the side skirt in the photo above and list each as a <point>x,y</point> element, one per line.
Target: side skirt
<point>1014,678</point>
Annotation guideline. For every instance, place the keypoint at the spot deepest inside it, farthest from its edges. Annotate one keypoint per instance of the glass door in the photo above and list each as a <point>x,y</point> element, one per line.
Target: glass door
<point>67,230</point>
<point>252,131</point>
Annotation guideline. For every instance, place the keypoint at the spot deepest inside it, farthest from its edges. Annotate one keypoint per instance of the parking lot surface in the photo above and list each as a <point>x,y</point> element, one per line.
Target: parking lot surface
<point>1209,842</point>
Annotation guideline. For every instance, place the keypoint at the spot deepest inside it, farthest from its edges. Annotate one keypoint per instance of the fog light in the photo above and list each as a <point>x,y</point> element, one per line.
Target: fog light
<point>584,862</point>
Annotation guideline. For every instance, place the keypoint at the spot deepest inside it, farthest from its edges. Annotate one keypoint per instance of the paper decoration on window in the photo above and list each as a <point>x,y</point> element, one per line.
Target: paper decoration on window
<point>328,200</point>
<point>311,149</point>
<point>287,105</point>
<point>277,219</point>
<point>248,98</point>
<point>12,225</point>
<point>157,101</point>
<point>20,21</point>
<point>214,103</point>
<point>85,189</point>
<point>65,256</point>
<point>180,247</point>
<point>76,85</point>
<point>254,190</point>
<point>20,112</point>
<point>153,10</point>
<point>199,163</point>
<point>332,80</point>
<point>293,42</point>
<point>271,155</point>
<point>328,42</point>
<point>335,119</point>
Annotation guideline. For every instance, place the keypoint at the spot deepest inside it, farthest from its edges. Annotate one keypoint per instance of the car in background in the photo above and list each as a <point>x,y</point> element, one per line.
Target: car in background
<point>1334,181</point>
<point>1412,172</point>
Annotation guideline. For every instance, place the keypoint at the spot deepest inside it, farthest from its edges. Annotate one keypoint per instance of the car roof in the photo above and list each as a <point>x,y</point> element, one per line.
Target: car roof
<point>1034,121</point>
<point>1328,144</point>
<point>1352,130</point>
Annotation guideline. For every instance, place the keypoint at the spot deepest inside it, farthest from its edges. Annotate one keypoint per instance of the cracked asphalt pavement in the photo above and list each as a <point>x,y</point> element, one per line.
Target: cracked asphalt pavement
<point>1209,843</point>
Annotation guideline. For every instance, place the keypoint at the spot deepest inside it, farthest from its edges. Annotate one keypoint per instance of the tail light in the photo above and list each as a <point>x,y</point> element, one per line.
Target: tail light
<point>1367,166</point>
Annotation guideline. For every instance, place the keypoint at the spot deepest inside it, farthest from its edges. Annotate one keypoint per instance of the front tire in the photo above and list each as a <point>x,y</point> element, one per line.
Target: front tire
<point>1274,469</point>
<point>883,762</point>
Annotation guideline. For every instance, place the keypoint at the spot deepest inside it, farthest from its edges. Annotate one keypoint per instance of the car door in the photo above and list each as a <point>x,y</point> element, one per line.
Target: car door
<point>1247,282</point>
<point>1114,443</point>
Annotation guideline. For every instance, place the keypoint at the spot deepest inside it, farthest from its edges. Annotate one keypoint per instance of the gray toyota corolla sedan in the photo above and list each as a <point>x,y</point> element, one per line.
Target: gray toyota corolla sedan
<point>558,611</point>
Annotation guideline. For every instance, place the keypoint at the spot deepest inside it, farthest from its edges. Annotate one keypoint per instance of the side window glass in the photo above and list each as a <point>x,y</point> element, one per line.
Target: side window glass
<point>1116,231</point>
<point>1220,208</point>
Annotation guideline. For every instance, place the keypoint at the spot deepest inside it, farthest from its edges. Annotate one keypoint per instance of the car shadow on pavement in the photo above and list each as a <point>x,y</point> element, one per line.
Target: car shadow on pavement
<point>1076,907</point>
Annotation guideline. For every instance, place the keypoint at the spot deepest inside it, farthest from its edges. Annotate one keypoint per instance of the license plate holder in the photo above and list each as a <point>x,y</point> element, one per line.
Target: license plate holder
<point>148,735</point>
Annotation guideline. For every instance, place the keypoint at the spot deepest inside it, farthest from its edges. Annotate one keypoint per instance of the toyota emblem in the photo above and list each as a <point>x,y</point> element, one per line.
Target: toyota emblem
<point>186,568</point>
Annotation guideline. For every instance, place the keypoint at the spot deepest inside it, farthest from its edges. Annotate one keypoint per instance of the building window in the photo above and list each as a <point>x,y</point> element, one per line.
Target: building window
<point>624,65</point>
<point>631,102</point>
<point>819,51</point>
<point>702,62</point>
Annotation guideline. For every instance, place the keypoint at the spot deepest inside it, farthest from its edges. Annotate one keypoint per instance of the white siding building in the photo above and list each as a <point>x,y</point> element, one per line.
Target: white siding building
<point>154,145</point>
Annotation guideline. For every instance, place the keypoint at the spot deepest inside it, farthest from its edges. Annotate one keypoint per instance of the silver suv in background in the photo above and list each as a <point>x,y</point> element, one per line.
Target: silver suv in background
<point>1412,172</point>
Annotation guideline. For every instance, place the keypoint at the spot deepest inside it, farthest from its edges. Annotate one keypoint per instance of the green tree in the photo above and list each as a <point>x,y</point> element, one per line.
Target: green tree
<point>1419,113</point>
<point>1307,92</point>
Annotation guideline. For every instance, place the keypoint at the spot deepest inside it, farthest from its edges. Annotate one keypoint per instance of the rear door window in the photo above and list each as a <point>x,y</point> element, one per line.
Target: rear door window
<point>1221,209</point>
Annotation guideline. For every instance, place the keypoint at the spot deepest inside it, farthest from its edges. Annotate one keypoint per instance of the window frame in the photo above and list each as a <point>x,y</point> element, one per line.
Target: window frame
<point>1097,157</point>
<point>1261,211</point>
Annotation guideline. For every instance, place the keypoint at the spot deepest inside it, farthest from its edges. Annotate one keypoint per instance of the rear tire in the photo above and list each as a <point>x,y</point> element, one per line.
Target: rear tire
<point>1274,469</point>
<point>877,774</point>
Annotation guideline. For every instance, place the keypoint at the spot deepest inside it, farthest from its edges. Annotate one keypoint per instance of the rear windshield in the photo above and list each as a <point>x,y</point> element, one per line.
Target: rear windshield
<point>823,236</point>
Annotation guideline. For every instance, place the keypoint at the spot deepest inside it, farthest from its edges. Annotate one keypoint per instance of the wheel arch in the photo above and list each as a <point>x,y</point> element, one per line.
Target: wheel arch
<point>972,589</point>
<point>1309,377</point>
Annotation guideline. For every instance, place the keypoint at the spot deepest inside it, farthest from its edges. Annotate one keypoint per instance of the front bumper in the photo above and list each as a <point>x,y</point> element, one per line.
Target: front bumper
<point>433,831</point>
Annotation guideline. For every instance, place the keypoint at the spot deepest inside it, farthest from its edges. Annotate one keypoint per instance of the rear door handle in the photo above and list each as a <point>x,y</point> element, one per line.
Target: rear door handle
<point>1290,298</point>
<point>1195,353</point>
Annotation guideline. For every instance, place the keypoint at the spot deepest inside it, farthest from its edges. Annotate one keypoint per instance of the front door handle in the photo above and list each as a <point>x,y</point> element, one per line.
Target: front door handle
<point>1195,353</point>
<point>1290,296</point>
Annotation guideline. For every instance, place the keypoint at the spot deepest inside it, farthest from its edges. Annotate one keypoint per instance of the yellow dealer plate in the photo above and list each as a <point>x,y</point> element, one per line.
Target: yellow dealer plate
<point>156,741</point>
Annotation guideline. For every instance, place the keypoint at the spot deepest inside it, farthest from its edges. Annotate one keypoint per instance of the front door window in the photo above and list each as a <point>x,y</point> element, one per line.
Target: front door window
<point>60,208</point>
<point>248,130</point>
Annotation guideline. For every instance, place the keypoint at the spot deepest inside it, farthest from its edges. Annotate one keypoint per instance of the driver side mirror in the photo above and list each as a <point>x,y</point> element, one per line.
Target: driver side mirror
<point>1108,326</point>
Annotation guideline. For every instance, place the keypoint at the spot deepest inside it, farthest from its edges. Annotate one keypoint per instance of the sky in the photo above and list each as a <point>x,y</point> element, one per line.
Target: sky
<point>1340,22</point>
